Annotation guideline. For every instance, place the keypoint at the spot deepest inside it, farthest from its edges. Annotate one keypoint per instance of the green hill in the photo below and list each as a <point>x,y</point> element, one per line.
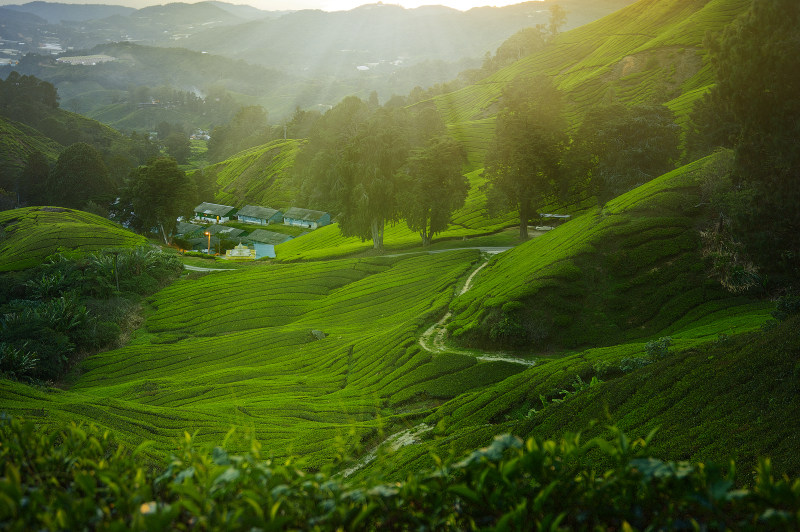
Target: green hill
<point>30,234</point>
<point>648,52</point>
<point>17,141</point>
<point>629,270</point>
<point>237,349</point>
<point>257,176</point>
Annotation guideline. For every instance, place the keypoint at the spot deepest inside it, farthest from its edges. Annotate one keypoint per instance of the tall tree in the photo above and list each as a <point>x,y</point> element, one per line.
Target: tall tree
<point>32,182</point>
<point>757,66</point>
<point>178,146</point>
<point>78,176</point>
<point>154,196</point>
<point>433,186</point>
<point>368,184</point>
<point>524,159</point>
<point>620,147</point>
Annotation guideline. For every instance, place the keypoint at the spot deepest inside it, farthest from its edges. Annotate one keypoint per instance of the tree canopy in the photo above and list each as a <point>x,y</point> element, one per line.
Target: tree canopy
<point>757,67</point>
<point>154,196</point>
<point>523,162</point>
<point>78,176</point>
<point>433,186</point>
<point>621,147</point>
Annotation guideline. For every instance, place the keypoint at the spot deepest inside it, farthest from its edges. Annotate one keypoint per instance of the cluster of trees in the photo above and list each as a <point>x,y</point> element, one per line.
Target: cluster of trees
<point>533,160</point>
<point>755,108</point>
<point>376,165</point>
<point>19,93</point>
<point>81,178</point>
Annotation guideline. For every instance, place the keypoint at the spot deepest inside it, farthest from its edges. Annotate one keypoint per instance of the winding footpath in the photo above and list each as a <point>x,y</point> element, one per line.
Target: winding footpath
<point>433,339</point>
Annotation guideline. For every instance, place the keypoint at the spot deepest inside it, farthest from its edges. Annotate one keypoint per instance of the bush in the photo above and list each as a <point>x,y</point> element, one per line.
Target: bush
<point>627,365</point>
<point>785,306</point>
<point>658,349</point>
<point>78,478</point>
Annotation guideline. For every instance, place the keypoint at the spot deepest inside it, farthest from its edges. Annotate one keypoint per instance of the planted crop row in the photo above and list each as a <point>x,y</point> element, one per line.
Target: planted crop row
<point>275,380</point>
<point>30,234</point>
<point>257,176</point>
<point>627,271</point>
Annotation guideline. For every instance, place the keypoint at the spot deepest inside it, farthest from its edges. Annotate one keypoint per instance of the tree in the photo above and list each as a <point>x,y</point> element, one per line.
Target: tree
<point>618,147</point>
<point>247,129</point>
<point>758,82</point>
<point>524,160</point>
<point>78,176</point>
<point>558,17</point>
<point>433,186</point>
<point>33,179</point>
<point>367,185</point>
<point>178,146</point>
<point>154,196</point>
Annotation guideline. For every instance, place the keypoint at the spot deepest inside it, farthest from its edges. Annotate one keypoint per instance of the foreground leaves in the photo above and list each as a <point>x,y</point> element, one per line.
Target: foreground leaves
<point>77,477</point>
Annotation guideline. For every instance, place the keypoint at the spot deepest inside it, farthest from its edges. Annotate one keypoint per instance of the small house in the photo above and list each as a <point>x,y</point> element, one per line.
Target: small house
<point>306,218</point>
<point>265,241</point>
<point>255,214</point>
<point>223,231</point>
<point>214,212</point>
<point>185,228</point>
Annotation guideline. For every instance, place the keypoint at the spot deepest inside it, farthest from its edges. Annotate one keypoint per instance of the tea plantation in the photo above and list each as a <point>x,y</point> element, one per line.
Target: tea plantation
<point>238,349</point>
<point>29,235</point>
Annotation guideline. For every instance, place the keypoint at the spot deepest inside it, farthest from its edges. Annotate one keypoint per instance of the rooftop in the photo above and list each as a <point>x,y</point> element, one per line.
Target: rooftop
<point>214,209</point>
<point>297,213</point>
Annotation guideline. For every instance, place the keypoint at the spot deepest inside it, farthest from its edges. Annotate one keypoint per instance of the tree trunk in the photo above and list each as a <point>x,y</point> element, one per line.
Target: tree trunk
<point>426,239</point>
<point>166,241</point>
<point>524,215</point>
<point>377,234</point>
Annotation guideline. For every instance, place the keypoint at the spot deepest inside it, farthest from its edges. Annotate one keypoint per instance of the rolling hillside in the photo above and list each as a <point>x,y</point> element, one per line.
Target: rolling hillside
<point>18,141</point>
<point>648,52</point>
<point>257,176</point>
<point>30,234</point>
<point>238,349</point>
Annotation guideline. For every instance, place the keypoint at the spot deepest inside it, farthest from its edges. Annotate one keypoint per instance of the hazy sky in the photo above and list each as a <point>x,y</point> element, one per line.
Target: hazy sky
<point>342,5</point>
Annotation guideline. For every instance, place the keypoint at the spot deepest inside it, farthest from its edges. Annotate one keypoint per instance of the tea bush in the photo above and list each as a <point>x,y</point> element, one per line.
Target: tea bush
<point>77,477</point>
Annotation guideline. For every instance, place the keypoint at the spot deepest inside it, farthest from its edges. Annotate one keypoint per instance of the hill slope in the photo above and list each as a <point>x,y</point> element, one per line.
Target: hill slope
<point>237,349</point>
<point>628,270</point>
<point>29,235</point>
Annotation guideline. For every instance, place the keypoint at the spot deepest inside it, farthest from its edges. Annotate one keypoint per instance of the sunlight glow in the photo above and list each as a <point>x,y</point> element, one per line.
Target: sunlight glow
<point>345,5</point>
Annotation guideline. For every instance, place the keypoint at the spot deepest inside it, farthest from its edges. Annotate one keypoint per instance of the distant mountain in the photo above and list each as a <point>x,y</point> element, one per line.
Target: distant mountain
<point>55,12</point>
<point>383,36</point>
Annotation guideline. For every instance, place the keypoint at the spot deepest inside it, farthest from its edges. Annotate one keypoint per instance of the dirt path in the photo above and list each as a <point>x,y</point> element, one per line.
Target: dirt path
<point>433,339</point>
<point>199,269</point>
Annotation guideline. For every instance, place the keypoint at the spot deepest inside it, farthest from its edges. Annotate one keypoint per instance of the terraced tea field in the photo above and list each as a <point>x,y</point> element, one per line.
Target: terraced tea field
<point>648,52</point>
<point>30,234</point>
<point>257,176</point>
<point>628,271</point>
<point>236,349</point>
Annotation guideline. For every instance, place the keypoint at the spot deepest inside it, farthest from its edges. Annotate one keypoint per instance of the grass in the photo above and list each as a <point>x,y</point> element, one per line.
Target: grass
<point>626,271</point>
<point>257,176</point>
<point>30,234</point>
<point>236,349</point>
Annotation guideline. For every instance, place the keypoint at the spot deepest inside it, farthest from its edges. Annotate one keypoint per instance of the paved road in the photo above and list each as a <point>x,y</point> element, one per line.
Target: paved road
<point>199,269</point>
<point>491,250</point>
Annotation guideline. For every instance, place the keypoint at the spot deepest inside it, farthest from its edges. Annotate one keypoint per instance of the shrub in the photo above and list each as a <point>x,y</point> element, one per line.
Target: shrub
<point>627,365</point>
<point>658,349</point>
<point>785,306</point>
<point>78,477</point>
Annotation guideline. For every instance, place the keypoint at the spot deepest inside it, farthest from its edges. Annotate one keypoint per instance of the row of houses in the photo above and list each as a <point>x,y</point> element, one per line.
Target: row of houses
<point>255,214</point>
<point>200,237</point>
